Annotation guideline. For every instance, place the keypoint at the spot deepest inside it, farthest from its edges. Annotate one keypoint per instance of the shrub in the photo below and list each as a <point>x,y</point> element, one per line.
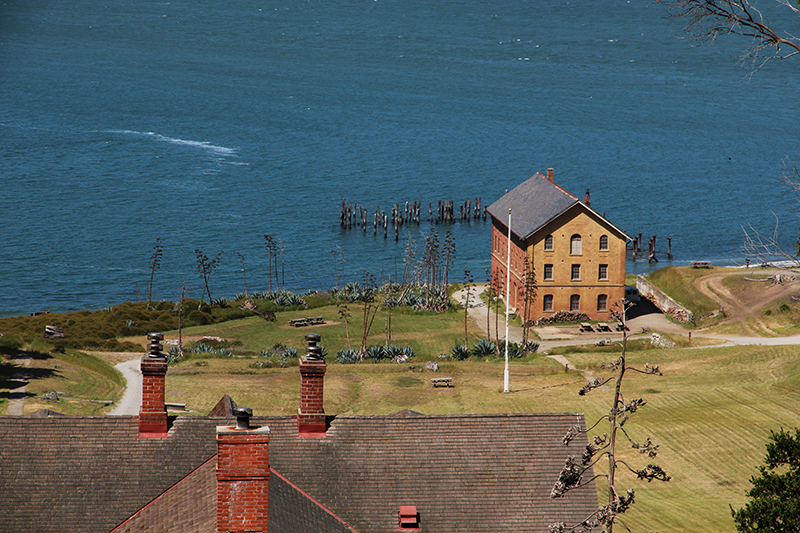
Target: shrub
<point>9,344</point>
<point>484,348</point>
<point>459,352</point>
<point>347,356</point>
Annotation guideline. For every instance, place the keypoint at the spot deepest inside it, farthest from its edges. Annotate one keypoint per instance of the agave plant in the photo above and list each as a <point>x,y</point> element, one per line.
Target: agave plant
<point>347,356</point>
<point>296,300</point>
<point>290,352</point>
<point>266,353</point>
<point>173,355</point>
<point>459,352</point>
<point>376,353</point>
<point>484,348</point>
<point>408,351</point>
<point>219,302</point>
<point>391,351</point>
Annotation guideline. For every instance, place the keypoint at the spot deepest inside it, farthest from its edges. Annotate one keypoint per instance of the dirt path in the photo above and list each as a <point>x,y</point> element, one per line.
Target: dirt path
<point>745,307</point>
<point>16,399</point>
<point>132,398</point>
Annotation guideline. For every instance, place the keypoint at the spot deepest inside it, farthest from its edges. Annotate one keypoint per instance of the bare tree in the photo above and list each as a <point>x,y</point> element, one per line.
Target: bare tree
<point>449,250</point>
<point>528,299</point>
<point>571,476</point>
<point>708,19</point>
<point>206,267</point>
<point>244,273</point>
<point>272,254</point>
<point>344,314</point>
<point>468,284</point>
<point>408,260</point>
<point>155,262</point>
<point>183,288</point>
<point>368,300</point>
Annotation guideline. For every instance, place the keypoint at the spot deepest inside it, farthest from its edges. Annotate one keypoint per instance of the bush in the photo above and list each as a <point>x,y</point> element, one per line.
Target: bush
<point>459,352</point>
<point>484,348</point>
<point>347,356</point>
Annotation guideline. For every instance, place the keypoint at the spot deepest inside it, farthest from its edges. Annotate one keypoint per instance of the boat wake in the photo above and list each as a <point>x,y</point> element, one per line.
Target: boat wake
<point>205,145</point>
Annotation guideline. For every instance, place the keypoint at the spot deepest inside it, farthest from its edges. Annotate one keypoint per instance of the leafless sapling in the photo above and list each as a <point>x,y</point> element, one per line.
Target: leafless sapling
<point>468,284</point>
<point>529,297</point>
<point>244,273</point>
<point>206,267</point>
<point>155,262</point>
<point>272,255</point>
<point>572,475</point>
<point>367,297</point>
<point>344,314</point>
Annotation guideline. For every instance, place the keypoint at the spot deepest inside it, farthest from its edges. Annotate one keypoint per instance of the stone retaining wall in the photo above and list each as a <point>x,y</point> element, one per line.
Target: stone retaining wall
<point>667,305</point>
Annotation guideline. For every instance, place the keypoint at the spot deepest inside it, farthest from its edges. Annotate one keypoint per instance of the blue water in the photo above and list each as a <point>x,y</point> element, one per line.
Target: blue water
<point>211,123</point>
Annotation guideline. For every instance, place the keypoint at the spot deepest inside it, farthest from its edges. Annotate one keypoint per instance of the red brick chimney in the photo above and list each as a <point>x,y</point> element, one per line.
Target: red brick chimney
<point>153,412</point>
<point>311,415</point>
<point>242,475</point>
<point>550,175</point>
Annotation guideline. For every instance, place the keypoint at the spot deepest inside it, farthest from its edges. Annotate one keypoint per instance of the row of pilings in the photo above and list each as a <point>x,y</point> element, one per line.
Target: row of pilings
<point>354,216</point>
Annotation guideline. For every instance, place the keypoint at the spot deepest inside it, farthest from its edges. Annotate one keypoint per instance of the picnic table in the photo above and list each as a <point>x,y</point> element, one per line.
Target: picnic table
<point>310,321</point>
<point>701,264</point>
<point>622,327</point>
<point>442,382</point>
<point>585,326</point>
<point>602,326</point>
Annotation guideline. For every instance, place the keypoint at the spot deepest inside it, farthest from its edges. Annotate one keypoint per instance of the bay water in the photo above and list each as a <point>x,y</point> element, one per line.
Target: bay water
<point>210,124</point>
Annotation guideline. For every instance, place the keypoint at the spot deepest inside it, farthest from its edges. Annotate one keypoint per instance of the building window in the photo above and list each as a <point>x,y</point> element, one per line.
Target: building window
<point>604,243</point>
<point>547,303</point>
<point>575,245</point>
<point>548,272</point>
<point>548,243</point>
<point>602,302</point>
<point>575,302</point>
<point>602,272</point>
<point>576,273</point>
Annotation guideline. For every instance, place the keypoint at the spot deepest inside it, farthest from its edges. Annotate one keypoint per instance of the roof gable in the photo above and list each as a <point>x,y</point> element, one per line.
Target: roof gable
<point>533,203</point>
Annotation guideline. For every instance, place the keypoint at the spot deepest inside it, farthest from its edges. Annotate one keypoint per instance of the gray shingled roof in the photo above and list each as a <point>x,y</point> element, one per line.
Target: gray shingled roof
<point>533,203</point>
<point>481,473</point>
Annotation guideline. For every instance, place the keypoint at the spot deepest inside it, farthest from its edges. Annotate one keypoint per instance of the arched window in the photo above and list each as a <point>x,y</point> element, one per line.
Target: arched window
<point>604,243</point>
<point>547,302</point>
<point>602,302</point>
<point>575,302</point>
<point>575,245</point>
<point>548,243</point>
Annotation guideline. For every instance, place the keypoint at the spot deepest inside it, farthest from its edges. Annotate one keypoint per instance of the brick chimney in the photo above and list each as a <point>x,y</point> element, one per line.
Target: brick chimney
<point>153,412</point>
<point>311,415</point>
<point>242,475</point>
<point>586,199</point>
<point>550,175</point>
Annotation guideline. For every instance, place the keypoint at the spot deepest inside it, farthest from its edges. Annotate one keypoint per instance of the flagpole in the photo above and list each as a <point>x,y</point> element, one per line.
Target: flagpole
<point>508,288</point>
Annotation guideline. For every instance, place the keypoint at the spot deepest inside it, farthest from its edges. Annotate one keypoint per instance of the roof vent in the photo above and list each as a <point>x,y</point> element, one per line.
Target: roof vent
<point>408,517</point>
<point>243,415</point>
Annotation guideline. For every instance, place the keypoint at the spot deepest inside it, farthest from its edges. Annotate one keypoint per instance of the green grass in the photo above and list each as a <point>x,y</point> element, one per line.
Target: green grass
<point>677,283</point>
<point>427,333</point>
<point>79,376</point>
<point>711,413</point>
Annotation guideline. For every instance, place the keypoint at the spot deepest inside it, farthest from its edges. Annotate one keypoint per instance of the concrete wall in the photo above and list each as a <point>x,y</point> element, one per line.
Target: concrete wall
<point>667,305</point>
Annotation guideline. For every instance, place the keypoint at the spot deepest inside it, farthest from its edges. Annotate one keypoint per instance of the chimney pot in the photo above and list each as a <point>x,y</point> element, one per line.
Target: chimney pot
<point>155,347</point>
<point>243,415</point>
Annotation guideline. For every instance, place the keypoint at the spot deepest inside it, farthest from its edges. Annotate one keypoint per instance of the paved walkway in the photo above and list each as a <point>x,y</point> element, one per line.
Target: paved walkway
<point>16,398</point>
<point>132,398</point>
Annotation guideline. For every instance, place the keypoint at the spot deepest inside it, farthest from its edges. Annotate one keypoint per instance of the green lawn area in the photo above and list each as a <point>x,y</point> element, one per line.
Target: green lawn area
<point>711,411</point>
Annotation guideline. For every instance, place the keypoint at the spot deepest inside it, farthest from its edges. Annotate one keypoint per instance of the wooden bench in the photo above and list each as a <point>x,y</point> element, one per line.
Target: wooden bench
<point>585,326</point>
<point>701,264</point>
<point>602,326</point>
<point>310,321</point>
<point>442,382</point>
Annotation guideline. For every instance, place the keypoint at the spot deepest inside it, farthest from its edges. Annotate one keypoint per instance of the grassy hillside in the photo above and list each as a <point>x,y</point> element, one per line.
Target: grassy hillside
<point>85,384</point>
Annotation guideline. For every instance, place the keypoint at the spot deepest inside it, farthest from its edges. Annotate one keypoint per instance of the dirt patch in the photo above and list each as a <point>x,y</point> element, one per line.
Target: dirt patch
<point>742,301</point>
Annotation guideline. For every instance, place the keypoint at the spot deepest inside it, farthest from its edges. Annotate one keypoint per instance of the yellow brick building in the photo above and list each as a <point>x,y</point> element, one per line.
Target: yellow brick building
<point>577,257</point>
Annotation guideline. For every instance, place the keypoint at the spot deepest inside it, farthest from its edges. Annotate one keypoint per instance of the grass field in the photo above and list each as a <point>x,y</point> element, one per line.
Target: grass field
<point>711,412</point>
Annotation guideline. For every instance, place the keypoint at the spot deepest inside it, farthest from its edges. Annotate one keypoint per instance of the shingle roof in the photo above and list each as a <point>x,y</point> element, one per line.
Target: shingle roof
<point>533,203</point>
<point>481,473</point>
